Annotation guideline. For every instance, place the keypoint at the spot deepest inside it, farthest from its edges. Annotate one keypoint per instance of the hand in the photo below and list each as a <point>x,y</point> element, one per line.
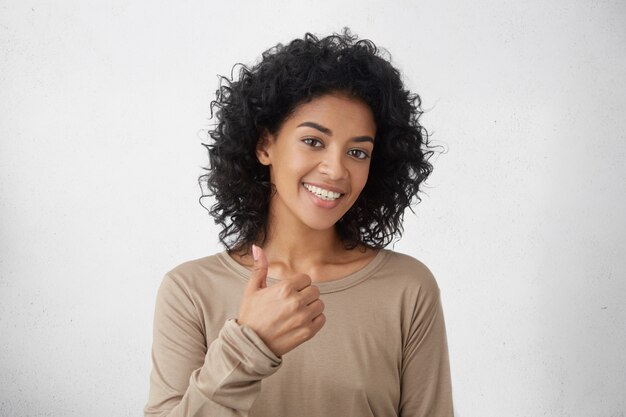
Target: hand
<point>284,315</point>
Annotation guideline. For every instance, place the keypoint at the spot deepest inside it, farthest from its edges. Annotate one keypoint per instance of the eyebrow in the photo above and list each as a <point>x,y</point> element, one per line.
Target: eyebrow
<point>329,132</point>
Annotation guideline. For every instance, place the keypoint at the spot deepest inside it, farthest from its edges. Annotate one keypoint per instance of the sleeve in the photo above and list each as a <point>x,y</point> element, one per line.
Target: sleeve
<point>190,378</point>
<point>426,388</point>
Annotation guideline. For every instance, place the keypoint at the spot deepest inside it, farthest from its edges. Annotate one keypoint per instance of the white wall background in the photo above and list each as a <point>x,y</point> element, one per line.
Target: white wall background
<point>101,106</point>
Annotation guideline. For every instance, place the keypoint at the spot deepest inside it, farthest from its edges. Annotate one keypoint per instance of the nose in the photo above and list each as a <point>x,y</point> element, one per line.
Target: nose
<point>333,166</point>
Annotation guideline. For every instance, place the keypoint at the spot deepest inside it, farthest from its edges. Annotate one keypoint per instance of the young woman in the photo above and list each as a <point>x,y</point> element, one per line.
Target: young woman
<point>316,154</point>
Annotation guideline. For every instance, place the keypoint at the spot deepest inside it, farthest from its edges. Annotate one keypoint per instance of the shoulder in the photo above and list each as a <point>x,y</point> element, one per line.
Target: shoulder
<point>416,288</point>
<point>201,293</point>
<point>408,274</point>
<point>406,267</point>
<point>193,267</point>
<point>199,275</point>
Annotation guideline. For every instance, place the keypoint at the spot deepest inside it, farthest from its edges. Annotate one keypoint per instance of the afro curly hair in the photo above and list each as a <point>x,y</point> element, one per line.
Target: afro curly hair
<point>265,94</point>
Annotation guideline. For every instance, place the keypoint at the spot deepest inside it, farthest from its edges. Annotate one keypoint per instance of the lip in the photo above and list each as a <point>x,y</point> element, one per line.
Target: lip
<point>325,204</point>
<point>325,187</point>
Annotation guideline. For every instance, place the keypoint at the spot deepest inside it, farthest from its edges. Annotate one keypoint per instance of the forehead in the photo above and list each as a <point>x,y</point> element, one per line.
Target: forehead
<point>337,110</point>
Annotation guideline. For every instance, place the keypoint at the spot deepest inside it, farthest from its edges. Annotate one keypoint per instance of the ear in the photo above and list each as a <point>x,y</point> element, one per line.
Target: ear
<point>262,148</point>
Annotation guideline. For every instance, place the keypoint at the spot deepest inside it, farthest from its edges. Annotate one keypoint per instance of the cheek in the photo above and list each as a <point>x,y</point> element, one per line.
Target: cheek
<point>361,178</point>
<point>289,169</point>
<point>298,165</point>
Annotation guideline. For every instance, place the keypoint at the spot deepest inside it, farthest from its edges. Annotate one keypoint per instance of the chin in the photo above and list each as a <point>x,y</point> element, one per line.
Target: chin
<point>320,225</point>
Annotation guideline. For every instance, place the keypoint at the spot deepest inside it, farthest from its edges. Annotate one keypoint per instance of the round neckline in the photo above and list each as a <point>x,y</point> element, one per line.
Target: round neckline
<point>339,284</point>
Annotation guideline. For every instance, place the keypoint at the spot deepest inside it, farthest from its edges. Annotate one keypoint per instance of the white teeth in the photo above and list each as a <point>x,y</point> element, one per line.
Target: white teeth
<point>322,193</point>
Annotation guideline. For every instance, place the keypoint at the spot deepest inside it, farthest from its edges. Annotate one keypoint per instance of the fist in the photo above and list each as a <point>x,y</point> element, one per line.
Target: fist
<point>284,315</point>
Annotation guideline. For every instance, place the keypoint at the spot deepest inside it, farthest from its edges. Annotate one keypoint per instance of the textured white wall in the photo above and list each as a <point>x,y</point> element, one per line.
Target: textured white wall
<point>523,225</point>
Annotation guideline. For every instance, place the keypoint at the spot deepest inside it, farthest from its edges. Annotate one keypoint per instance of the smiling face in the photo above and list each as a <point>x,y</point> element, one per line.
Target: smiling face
<point>319,160</point>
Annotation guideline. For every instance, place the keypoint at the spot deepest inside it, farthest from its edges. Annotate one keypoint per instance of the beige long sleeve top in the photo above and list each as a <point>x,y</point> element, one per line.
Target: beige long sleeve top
<point>382,351</point>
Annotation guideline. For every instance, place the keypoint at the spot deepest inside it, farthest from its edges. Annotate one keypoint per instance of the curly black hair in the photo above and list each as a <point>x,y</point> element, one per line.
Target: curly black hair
<point>265,94</point>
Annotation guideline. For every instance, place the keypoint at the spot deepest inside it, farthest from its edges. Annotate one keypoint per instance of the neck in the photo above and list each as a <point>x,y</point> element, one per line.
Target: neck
<point>292,247</point>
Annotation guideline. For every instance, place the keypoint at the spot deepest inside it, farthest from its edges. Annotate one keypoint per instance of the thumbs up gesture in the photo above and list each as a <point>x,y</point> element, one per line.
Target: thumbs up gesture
<point>285,314</point>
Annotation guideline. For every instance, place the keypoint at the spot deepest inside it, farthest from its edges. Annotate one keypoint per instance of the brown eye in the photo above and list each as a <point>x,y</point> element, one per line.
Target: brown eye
<point>312,142</point>
<point>358,154</point>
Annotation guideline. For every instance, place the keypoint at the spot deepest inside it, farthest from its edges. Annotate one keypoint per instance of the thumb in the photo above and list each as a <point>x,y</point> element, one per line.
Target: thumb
<point>259,271</point>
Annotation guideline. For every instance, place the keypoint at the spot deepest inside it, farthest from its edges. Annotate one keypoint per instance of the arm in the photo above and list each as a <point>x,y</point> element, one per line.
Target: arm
<point>190,378</point>
<point>425,378</point>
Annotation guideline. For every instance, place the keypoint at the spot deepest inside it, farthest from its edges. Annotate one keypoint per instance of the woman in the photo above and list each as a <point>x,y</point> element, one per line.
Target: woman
<point>316,154</point>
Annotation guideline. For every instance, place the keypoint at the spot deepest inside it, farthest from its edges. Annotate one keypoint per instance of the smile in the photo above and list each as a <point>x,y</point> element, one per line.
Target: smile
<point>322,193</point>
